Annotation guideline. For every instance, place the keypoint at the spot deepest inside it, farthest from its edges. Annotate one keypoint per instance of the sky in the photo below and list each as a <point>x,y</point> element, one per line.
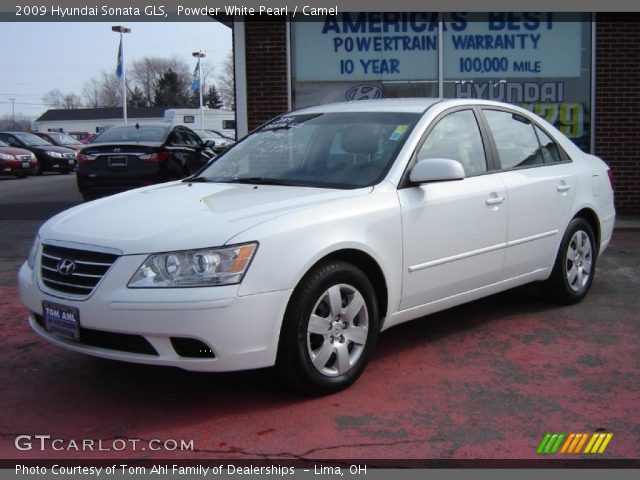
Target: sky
<point>39,57</point>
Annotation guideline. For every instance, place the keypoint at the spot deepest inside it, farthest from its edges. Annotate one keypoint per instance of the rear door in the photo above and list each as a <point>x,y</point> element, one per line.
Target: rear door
<point>540,186</point>
<point>454,232</point>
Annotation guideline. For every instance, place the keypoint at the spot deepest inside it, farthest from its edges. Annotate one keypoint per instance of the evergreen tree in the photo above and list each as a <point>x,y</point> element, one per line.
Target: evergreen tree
<point>170,91</point>
<point>212,98</point>
<point>136,98</point>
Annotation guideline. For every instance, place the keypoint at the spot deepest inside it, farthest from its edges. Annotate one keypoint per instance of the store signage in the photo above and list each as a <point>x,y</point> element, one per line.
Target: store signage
<point>404,46</point>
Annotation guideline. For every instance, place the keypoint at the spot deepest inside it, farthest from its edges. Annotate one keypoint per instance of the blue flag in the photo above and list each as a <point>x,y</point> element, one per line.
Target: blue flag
<point>120,67</point>
<point>195,85</point>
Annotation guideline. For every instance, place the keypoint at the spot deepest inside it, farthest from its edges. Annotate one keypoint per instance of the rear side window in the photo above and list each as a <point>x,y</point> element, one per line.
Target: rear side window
<point>550,150</point>
<point>515,139</point>
<point>457,137</point>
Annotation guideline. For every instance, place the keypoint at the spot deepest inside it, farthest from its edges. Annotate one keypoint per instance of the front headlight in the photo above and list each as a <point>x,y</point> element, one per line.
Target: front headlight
<point>31,259</point>
<point>55,154</point>
<point>5,156</point>
<point>195,268</point>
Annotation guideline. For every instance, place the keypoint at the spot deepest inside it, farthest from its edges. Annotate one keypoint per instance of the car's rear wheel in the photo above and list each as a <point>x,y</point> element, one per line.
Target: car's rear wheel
<point>575,265</point>
<point>329,330</point>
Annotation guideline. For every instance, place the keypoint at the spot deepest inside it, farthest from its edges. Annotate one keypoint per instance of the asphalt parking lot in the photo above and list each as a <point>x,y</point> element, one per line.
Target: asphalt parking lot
<point>484,380</point>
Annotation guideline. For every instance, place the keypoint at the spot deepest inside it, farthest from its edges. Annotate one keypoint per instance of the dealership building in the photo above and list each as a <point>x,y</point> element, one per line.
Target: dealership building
<point>581,72</point>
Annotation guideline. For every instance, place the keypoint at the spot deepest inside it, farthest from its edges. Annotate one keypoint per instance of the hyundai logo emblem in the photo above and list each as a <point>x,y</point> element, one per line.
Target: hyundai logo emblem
<point>363,92</point>
<point>117,149</point>
<point>66,266</point>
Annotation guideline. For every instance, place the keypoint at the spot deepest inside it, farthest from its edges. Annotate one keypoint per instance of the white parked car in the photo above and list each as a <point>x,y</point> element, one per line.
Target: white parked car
<point>314,233</point>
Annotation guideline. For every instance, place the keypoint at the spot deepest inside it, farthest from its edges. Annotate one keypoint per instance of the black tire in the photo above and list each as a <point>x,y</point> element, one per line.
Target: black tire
<point>294,364</point>
<point>87,197</point>
<point>561,286</point>
<point>39,169</point>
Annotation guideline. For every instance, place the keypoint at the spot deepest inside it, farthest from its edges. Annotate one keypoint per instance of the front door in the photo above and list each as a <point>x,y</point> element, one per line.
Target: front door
<point>454,232</point>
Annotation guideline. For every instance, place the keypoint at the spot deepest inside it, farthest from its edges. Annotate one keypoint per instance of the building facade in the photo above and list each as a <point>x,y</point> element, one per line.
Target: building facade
<point>579,71</point>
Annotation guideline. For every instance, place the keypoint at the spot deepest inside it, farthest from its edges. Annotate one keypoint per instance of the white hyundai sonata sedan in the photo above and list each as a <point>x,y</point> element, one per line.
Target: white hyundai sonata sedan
<point>297,246</point>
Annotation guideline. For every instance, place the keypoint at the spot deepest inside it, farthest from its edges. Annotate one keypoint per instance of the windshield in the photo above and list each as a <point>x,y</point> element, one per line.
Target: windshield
<point>129,133</point>
<point>2,144</point>
<point>64,139</point>
<point>32,140</point>
<point>331,150</point>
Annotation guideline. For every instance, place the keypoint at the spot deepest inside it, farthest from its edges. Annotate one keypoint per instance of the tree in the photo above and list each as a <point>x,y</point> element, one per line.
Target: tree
<point>136,98</point>
<point>20,123</point>
<point>110,90</point>
<point>53,98</point>
<point>91,93</point>
<point>212,98</point>
<point>226,83</point>
<point>147,72</point>
<point>71,101</point>
<point>171,90</point>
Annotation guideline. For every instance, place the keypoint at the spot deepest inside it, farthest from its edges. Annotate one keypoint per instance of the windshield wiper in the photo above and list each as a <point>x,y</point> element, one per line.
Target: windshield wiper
<point>197,180</point>
<point>260,181</point>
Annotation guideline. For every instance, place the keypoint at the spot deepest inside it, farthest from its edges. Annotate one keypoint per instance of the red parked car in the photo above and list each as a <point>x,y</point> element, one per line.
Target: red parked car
<point>16,161</point>
<point>61,139</point>
<point>82,137</point>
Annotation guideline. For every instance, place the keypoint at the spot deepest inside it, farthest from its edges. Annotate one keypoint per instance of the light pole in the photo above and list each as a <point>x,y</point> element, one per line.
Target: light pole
<point>200,55</point>
<point>121,71</point>
<point>13,112</point>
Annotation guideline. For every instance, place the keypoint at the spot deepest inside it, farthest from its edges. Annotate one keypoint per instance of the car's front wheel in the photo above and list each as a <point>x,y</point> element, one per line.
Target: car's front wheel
<point>575,265</point>
<point>329,330</point>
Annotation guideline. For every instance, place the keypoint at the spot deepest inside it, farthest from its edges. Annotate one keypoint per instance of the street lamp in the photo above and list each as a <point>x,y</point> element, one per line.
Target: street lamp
<point>200,55</point>
<point>120,70</point>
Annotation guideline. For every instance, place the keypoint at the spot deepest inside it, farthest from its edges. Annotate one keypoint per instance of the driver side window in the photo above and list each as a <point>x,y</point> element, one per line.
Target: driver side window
<point>457,137</point>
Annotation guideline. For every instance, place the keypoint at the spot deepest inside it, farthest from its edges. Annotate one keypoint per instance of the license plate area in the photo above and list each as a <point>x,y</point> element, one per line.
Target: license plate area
<point>61,320</point>
<point>25,164</point>
<point>119,161</point>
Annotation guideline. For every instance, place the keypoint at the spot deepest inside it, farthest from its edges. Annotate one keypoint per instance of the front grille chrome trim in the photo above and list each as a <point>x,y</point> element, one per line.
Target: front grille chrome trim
<point>91,266</point>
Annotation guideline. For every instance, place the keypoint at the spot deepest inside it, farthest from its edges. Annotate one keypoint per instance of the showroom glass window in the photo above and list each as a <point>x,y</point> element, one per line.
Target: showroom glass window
<point>541,61</point>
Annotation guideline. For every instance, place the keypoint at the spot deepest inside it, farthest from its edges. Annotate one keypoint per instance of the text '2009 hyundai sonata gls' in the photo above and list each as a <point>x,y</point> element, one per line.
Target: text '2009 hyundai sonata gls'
<point>317,231</point>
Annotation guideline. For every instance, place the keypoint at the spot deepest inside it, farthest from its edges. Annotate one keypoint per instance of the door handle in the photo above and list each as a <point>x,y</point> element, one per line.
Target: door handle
<point>564,187</point>
<point>494,200</point>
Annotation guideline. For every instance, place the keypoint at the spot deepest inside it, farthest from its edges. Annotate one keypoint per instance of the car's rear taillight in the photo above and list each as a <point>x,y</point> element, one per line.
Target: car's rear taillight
<point>160,157</point>
<point>611,178</point>
<point>81,158</point>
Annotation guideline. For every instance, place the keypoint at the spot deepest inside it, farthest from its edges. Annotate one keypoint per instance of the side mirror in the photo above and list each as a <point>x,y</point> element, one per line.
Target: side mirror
<point>209,144</point>
<point>436,170</point>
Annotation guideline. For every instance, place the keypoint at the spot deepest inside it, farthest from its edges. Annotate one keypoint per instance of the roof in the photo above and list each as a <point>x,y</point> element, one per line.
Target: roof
<point>409,105</point>
<point>100,113</point>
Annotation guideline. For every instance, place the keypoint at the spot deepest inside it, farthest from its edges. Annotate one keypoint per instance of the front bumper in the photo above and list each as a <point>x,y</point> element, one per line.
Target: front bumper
<point>242,332</point>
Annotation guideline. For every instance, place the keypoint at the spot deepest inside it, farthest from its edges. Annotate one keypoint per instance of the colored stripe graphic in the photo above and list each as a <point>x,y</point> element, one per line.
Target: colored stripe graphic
<point>582,442</point>
<point>574,443</point>
<point>570,438</point>
<point>598,443</point>
<point>550,443</point>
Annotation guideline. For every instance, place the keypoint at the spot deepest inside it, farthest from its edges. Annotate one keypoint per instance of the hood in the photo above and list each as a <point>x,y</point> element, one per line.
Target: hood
<point>181,216</point>
<point>15,151</point>
<point>49,148</point>
<point>74,146</point>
